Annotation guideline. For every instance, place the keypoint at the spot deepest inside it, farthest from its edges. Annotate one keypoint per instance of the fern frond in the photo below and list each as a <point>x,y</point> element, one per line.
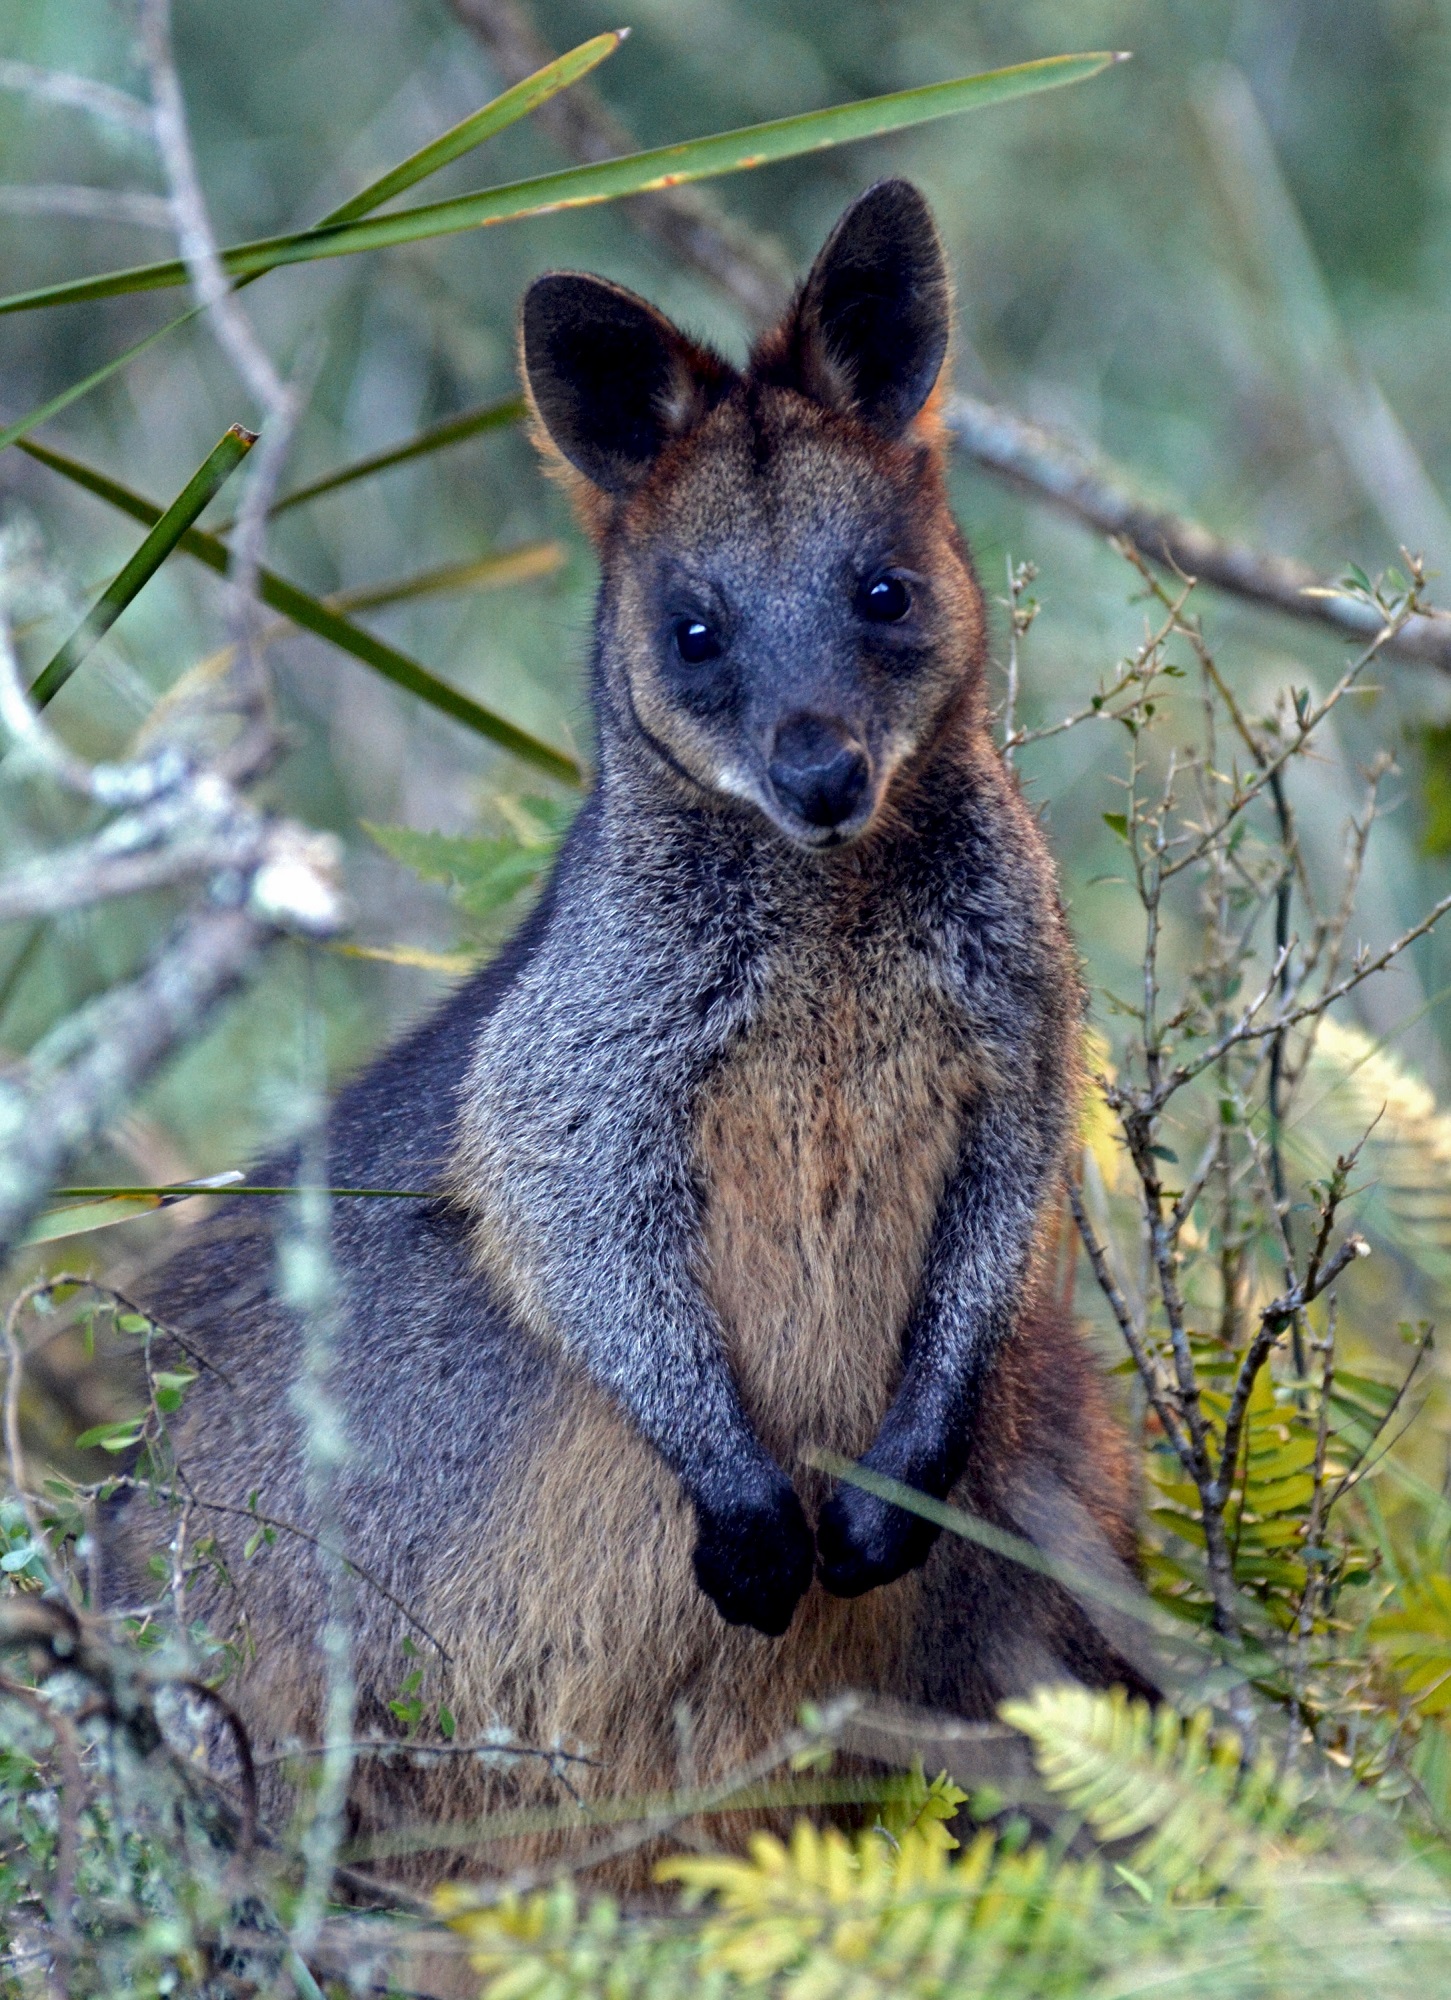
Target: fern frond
<point>1209,1824</point>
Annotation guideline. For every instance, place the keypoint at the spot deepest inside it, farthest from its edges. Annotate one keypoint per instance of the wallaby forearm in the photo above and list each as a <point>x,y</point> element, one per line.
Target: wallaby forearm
<point>591,1225</point>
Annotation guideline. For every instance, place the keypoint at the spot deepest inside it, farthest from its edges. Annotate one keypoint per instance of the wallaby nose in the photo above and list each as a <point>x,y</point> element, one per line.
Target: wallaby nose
<point>818,769</point>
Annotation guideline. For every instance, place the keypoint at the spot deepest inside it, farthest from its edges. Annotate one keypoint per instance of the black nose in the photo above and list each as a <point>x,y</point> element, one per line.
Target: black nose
<point>819,769</point>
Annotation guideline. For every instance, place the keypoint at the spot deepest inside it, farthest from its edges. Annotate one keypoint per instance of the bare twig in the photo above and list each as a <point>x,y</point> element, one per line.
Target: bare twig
<point>87,204</point>
<point>1053,467</point>
<point>1273,1321</point>
<point>215,291</point>
<point>246,1765</point>
<point>99,871</point>
<point>1160,1395</point>
<point>60,1100</point>
<point>1246,1029</point>
<point>396,1749</point>
<point>79,93</point>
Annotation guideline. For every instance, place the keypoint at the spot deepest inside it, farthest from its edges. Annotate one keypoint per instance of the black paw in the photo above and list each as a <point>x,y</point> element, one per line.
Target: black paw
<point>754,1560</point>
<point>863,1542</point>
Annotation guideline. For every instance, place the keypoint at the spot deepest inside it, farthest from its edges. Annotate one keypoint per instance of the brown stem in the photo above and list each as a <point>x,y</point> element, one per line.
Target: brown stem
<point>1143,1361</point>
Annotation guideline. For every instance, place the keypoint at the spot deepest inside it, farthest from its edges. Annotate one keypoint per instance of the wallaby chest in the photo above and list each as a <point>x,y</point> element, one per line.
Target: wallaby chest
<point>822,1146</point>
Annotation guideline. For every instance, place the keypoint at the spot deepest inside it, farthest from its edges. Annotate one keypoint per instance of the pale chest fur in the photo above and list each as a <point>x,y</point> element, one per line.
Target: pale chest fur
<point>822,1148</point>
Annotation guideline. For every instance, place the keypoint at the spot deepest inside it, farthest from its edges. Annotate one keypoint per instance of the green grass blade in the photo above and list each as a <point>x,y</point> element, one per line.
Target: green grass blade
<point>203,485</point>
<point>472,131</point>
<point>438,437</point>
<point>497,572</point>
<point>578,187</point>
<point>483,124</point>
<point>314,616</point>
<point>65,397</point>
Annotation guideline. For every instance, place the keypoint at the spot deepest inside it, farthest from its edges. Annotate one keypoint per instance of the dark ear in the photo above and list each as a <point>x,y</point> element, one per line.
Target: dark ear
<point>612,381</point>
<point>869,331</point>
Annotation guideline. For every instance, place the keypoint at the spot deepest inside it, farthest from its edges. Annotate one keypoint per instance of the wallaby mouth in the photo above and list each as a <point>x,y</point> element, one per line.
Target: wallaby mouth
<point>821,776</point>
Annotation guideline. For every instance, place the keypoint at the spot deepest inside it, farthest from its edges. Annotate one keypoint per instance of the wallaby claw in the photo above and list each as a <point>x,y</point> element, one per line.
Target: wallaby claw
<point>863,1542</point>
<point>755,1563</point>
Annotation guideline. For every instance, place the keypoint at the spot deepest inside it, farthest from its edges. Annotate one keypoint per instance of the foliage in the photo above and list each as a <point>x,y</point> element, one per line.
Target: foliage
<point>1205,281</point>
<point>1218,1895</point>
<point>483,874</point>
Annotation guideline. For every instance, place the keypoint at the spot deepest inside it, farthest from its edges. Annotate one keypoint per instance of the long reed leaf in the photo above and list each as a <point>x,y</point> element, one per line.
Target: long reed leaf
<point>314,616</point>
<point>437,437</point>
<point>607,180</point>
<point>522,565</point>
<point>203,485</point>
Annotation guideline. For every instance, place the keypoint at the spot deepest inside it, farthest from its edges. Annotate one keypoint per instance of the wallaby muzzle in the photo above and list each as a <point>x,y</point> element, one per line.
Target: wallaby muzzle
<point>819,772</point>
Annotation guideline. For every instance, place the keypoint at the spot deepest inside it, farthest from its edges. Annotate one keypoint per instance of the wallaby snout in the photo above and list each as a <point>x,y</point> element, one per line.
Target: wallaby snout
<point>819,771</point>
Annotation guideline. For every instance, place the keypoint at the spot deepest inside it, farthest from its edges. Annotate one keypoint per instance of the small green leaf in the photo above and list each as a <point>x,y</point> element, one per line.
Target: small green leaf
<point>1117,823</point>
<point>117,1436</point>
<point>447,1727</point>
<point>483,873</point>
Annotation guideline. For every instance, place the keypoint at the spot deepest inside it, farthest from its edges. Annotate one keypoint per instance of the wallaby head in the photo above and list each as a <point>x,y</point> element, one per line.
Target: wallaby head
<point>789,614</point>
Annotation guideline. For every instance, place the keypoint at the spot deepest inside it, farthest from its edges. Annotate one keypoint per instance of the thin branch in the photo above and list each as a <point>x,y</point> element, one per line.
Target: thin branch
<point>1055,468</point>
<point>58,1102</point>
<point>94,873</point>
<point>215,291</point>
<point>1245,1030</point>
<point>1275,1317</point>
<point>395,1748</point>
<point>87,204</point>
<point>1157,1389</point>
<point>246,1764</point>
<point>79,93</point>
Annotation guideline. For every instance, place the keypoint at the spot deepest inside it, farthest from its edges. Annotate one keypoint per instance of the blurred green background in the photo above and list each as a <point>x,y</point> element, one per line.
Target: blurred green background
<point>1225,264</point>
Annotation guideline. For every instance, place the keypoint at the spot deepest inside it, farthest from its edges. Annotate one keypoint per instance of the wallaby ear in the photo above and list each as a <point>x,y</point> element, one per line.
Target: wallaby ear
<point>869,331</point>
<point>611,380</point>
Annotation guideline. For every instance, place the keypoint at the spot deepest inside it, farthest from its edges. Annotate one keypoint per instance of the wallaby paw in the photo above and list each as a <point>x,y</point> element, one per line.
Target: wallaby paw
<point>863,1542</point>
<point>755,1562</point>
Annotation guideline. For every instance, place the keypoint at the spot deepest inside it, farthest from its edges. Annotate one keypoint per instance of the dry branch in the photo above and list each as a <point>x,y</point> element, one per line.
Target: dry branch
<point>49,1111</point>
<point>1052,467</point>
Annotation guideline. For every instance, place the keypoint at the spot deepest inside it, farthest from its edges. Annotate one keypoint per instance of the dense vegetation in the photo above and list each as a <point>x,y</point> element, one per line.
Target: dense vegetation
<point>1224,266</point>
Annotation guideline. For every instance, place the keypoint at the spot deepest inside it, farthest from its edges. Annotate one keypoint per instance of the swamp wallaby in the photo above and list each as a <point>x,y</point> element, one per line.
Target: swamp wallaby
<point>745,1146</point>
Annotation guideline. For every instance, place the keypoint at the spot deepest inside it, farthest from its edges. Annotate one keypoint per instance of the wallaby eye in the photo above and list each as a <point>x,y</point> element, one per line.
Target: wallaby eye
<point>885,601</point>
<point>696,642</point>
